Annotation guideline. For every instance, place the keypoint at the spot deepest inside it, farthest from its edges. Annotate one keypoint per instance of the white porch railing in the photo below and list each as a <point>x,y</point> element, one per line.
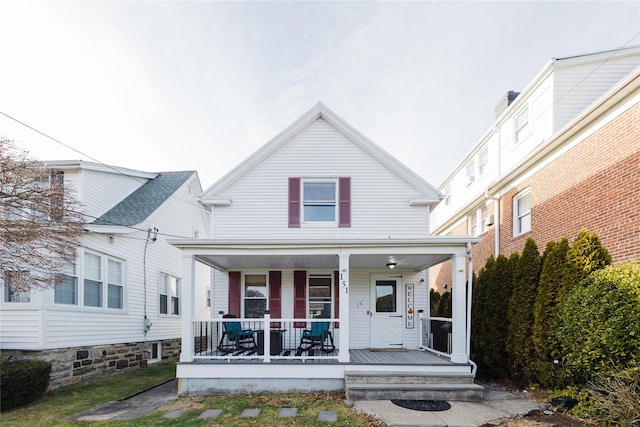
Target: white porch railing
<point>288,339</point>
<point>435,334</point>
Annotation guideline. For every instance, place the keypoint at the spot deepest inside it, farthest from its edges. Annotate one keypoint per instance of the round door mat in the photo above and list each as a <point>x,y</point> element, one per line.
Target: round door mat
<point>423,405</point>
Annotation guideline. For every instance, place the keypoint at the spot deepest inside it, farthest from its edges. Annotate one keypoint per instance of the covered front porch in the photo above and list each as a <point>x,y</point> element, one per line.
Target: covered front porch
<point>376,284</point>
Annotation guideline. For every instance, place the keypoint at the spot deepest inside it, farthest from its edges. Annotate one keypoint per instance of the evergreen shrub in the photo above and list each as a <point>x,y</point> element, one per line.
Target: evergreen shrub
<point>22,382</point>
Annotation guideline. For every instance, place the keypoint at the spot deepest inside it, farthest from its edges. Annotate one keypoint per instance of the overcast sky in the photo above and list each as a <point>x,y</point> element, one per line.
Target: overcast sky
<point>160,86</point>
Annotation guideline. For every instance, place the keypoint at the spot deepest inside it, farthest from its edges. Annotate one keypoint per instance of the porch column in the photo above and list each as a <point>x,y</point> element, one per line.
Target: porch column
<point>186,307</point>
<point>343,277</point>
<point>459,312</point>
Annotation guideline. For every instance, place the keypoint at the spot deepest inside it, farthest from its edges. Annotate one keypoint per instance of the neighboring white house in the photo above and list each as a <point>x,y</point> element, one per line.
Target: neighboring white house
<point>525,121</point>
<point>322,227</point>
<point>93,322</point>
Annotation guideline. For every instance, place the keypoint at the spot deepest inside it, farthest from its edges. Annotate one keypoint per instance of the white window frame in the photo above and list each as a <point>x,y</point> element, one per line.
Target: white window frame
<point>246,298</point>
<point>521,127</point>
<point>170,287</point>
<point>484,217</point>
<point>483,160</point>
<point>68,279</point>
<point>158,351</point>
<point>469,172</point>
<point>305,202</point>
<point>447,194</point>
<point>106,281</point>
<point>9,296</point>
<point>330,300</point>
<point>521,220</point>
<point>473,223</point>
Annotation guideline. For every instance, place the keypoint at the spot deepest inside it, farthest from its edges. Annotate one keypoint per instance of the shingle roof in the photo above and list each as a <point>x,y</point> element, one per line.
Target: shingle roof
<point>136,207</point>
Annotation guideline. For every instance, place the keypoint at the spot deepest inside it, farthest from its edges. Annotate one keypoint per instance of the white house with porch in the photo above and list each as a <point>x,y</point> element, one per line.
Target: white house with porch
<point>322,238</point>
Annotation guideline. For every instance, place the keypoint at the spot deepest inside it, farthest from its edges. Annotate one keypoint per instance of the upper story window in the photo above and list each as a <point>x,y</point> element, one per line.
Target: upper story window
<point>12,295</point>
<point>521,125</point>
<point>314,201</point>
<point>484,216</point>
<point>483,161</point>
<point>320,301</point>
<point>256,295</point>
<point>522,213</point>
<point>103,276</point>
<point>470,171</point>
<point>319,201</point>
<point>169,294</point>
<point>473,224</point>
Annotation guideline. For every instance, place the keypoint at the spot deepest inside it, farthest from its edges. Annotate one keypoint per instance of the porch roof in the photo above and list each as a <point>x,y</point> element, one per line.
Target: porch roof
<point>412,254</point>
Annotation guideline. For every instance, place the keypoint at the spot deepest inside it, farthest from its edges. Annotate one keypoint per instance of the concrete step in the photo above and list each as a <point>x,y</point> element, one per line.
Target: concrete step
<point>424,391</point>
<point>365,377</point>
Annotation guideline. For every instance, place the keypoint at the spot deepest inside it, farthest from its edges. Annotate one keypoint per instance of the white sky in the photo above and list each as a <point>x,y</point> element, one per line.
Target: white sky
<point>161,86</point>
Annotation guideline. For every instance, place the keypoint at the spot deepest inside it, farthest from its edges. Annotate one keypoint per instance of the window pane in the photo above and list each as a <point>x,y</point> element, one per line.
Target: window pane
<point>254,307</point>
<point>115,272</point>
<point>255,279</point>
<point>385,297</point>
<point>163,284</point>
<point>320,309</point>
<point>175,305</point>
<point>319,191</point>
<point>92,266</point>
<point>14,296</point>
<point>319,213</point>
<point>163,304</point>
<point>66,292</point>
<point>92,293</point>
<point>524,205</point>
<point>114,296</point>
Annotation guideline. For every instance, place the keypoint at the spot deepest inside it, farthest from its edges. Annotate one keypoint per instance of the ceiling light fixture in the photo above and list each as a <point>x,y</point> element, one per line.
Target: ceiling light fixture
<point>391,265</point>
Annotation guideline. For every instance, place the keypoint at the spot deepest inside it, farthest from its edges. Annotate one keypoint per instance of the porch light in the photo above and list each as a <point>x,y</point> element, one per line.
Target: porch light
<point>391,265</point>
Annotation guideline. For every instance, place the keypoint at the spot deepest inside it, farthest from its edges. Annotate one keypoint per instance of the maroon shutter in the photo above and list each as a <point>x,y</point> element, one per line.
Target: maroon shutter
<point>336,298</point>
<point>344,202</point>
<point>294,202</point>
<point>235,293</point>
<point>275,301</point>
<point>300,298</point>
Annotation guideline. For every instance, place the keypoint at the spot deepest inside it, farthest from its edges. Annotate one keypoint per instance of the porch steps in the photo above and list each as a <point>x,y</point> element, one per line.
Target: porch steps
<point>363,385</point>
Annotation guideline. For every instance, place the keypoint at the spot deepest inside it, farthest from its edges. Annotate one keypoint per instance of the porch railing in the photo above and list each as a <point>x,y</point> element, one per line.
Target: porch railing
<point>436,334</point>
<point>294,339</point>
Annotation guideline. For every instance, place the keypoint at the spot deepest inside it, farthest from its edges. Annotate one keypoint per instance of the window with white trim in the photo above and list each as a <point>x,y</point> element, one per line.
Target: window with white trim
<point>155,352</point>
<point>103,281</point>
<point>169,292</point>
<point>473,224</point>
<point>319,201</point>
<point>66,290</point>
<point>484,216</point>
<point>13,295</point>
<point>483,161</point>
<point>447,194</point>
<point>522,213</point>
<point>470,172</point>
<point>320,298</point>
<point>521,125</point>
<point>256,295</point>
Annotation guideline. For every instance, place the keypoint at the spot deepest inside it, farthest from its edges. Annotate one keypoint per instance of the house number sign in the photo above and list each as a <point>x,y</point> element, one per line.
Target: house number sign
<point>409,295</point>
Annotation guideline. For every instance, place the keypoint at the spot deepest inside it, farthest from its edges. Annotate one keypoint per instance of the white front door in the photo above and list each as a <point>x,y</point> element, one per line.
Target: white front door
<point>385,312</point>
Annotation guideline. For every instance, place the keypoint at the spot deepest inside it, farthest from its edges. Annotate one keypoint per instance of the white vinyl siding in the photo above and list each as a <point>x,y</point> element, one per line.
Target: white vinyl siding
<point>318,152</point>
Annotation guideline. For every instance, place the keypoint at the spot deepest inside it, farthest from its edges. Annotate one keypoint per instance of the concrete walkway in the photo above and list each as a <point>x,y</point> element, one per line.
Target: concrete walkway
<point>497,406</point>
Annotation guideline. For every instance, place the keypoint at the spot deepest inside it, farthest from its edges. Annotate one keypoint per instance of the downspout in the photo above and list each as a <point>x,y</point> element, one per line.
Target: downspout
<point>474,367</point>
<point>496,214</point>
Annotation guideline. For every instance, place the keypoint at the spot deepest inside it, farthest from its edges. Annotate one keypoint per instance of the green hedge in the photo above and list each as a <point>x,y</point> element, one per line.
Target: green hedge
<point>598,325</point>
<point>22,382</point>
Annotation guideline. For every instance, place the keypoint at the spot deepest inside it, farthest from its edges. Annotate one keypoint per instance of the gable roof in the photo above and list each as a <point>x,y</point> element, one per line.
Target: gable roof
<point>137,207</point>
<point>430,194</point>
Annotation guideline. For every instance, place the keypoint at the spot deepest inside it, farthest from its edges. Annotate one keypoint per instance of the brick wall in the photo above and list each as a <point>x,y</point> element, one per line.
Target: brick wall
<point>82,364</point>
<point>595,185</point>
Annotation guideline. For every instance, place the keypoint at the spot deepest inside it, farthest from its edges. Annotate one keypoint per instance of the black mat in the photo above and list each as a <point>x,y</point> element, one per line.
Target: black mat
<point>423,405</point>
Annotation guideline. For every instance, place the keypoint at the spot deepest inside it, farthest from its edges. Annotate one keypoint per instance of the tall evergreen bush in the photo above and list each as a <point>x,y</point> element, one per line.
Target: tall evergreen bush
<point>480,315</point>
<point>520,312</point>
<point>585,255</point>
<point>547,303</point>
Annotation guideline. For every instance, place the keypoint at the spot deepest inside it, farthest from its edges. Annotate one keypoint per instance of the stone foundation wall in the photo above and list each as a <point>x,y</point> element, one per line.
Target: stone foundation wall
<point>83,364</point>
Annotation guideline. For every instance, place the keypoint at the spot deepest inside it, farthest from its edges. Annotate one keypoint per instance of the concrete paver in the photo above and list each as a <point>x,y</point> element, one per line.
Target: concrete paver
<point>328,416</point>
<point>288,412</point>
<point>250,413</point>
<point>174,414</point>
<point>210,414</point>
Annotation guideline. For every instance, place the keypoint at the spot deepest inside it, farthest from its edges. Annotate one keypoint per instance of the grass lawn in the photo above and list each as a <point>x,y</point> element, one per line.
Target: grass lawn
<point>54,407</point>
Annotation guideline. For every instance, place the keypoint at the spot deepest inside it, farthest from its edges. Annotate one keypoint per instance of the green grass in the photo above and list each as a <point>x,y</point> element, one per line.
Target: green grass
<point>54,407</point>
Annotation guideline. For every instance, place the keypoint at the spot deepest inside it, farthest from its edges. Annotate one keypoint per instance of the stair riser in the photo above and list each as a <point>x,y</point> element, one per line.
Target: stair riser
<point>458,395</point>
<point>383,379</point>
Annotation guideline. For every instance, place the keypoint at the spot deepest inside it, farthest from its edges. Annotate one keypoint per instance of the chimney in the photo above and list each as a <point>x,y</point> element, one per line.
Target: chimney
<point>505,102</point>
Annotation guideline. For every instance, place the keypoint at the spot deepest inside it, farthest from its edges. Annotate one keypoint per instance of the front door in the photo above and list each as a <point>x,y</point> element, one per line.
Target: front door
<point>385,312</point>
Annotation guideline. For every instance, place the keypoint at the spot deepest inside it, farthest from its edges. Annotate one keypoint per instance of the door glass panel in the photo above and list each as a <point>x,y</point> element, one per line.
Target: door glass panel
<point>385,296</point>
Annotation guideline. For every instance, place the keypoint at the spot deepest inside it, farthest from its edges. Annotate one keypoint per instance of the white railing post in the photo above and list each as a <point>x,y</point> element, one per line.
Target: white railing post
<point>420,329</point>
<point>266,342</point>
<point>187,350</point>
<point>343,277</point>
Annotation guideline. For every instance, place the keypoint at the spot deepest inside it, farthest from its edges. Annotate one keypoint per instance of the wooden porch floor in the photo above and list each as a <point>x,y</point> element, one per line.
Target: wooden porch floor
<point>357,356</point>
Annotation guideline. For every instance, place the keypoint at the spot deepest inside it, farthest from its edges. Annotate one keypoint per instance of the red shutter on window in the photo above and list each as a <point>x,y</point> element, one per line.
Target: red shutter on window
<point>300,298</point>
<point>294,202</point>
<point>336,298</point>
<point>235,293</point>
<point>344,202</point>
<point>275,301</point>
